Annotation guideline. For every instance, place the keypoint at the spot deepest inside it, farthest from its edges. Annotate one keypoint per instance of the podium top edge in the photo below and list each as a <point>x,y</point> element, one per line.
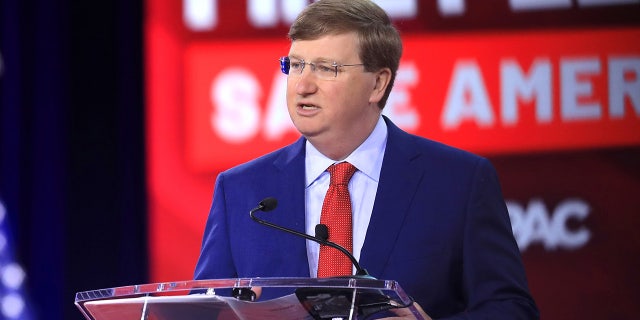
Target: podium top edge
<point>190,285</point>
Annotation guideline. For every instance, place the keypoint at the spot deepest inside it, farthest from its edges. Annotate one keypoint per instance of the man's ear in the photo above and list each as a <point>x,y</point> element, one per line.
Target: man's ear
<point>382,79</point>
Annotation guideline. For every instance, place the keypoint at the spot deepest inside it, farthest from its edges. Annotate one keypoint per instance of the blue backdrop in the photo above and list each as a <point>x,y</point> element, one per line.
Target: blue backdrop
<point>72,146</point>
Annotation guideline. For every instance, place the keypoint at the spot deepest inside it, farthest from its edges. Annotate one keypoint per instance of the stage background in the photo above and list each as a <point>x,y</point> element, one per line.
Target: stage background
<point>117,116</point>
<point>548,90</point>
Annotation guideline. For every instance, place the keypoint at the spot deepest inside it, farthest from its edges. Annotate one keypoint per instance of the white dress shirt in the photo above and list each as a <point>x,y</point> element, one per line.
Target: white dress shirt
<point>367,158</point>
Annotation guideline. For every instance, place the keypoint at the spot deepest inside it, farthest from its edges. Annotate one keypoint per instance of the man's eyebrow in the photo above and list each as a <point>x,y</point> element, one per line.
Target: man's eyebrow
<point>319,59</point>
<point>322,59</point>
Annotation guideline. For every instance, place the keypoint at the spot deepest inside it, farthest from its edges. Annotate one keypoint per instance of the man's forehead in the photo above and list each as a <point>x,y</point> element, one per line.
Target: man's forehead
<point>331,46</point>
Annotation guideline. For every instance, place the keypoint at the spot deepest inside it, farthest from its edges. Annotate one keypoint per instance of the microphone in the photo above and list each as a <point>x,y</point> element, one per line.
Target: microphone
<point>322,233</point>
<point>267,204</point>
<point>331,303</point>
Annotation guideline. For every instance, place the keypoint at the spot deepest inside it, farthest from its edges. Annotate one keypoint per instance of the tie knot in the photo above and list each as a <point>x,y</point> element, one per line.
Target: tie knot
<point>341,173</point>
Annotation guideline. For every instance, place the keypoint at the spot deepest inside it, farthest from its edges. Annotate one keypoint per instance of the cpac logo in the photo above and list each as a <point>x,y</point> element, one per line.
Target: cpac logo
<point>534,225</point>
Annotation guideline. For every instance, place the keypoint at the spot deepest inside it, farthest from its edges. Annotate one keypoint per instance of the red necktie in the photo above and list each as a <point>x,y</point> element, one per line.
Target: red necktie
<point>336,215</point>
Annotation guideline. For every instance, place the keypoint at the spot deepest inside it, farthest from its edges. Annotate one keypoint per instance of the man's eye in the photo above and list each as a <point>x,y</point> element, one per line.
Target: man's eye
<point>295,65</point>
<point>325,68</point>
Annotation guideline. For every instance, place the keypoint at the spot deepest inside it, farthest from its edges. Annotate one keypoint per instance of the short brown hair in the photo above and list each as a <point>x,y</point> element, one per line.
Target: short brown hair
<point>379,40</point>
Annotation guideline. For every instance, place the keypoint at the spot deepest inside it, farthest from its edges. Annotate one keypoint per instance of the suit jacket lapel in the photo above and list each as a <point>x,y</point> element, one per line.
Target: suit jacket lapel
<point>291,178</point>
<point>399,177</point>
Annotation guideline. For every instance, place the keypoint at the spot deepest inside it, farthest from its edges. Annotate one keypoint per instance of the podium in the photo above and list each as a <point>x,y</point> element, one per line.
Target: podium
<point>307,298</point>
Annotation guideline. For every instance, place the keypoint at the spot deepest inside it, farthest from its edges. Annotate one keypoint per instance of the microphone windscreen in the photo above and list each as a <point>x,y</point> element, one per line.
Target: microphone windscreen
<point>322,232</point>
<point>269,204</point>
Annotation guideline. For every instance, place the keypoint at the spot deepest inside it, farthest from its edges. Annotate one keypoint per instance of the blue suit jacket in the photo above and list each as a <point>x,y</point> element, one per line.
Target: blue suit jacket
<point>439,227</point>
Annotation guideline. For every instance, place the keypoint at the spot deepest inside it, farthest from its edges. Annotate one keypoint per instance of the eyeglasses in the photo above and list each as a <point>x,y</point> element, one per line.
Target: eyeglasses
<point>323,70</point>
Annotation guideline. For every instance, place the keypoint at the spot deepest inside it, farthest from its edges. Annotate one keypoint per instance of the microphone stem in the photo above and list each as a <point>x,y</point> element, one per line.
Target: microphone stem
<point>359,270</point>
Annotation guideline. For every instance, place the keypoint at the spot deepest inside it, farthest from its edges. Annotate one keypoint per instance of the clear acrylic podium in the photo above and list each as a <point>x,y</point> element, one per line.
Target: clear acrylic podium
<point>310,298</point>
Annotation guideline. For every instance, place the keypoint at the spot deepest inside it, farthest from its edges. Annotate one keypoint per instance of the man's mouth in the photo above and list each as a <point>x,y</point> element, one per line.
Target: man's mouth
<point>308,106</point>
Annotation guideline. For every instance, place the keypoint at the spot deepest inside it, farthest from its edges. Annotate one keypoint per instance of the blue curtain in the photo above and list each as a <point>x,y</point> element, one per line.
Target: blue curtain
<point>72,147</point>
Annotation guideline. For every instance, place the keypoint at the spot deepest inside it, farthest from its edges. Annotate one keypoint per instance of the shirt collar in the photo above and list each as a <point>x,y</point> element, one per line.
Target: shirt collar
<point>367,157</point>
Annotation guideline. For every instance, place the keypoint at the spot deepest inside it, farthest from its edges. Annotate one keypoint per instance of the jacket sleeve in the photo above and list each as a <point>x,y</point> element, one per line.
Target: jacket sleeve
<point>493,273</point>
<point>215,261</point>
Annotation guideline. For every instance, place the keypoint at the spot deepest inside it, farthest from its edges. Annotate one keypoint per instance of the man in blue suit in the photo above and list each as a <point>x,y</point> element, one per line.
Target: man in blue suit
<point>427,215</point>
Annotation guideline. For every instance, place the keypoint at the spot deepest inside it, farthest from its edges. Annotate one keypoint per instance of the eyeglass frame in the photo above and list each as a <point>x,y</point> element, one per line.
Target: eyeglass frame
<point>285,66</point>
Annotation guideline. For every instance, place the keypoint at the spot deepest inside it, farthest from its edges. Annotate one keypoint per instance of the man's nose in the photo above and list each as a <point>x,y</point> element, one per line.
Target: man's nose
<point>306,81</point>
